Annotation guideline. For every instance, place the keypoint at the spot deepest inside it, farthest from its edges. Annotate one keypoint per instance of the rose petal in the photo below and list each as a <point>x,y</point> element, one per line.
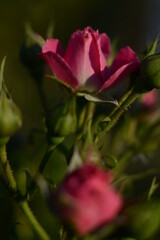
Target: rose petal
<point>124,64</point>
<point>60,68</point>
<point>88,199</point>
<point>53,45</point>
<point>82,55</point>
<point>104,49</point>
<point>100,204</point>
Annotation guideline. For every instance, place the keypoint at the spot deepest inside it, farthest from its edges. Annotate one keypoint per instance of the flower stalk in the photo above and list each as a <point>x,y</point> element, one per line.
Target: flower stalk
<point>51,146</point>
<point>119,111</point>
<point>23,204</point>
<point>33,221</point>
<point>128,98</point>
<point>7,169</point>
<point>122,100</point>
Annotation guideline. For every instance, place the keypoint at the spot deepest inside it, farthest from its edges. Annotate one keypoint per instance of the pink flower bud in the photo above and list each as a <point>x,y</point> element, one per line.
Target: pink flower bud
<point>87,200</point>
<point>10,116</point>
<point>150,99</point>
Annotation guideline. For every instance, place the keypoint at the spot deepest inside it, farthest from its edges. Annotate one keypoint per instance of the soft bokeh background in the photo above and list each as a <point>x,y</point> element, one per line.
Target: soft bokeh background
<point>133,23</point>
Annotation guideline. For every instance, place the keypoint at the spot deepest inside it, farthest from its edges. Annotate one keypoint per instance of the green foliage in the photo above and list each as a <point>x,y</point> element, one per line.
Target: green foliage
<point>10,116</point>
<point>150,72</point>
<point>56,167</point>
<point>62,120</point>
<point>144,219</point>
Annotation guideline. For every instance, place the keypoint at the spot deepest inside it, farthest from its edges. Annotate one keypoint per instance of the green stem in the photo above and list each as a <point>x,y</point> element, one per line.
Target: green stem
<point>119,111</point>
<point>134,149</point>
<point>52,143</point>
<point>87,130</point>
<point>123,162</point>
<point>51,146</point>
<point>91,108</point>
<point>24,205</point>
<point>114,116</point>
<point>7,169</point>
<point>136,177</point>
<point>87,121</point>
<point>44,160</point>
<point>33,221</point>
<point>89,115</point>
<point>122,100</point>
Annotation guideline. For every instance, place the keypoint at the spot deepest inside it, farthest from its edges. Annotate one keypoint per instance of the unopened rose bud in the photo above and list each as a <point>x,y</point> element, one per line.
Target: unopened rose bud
<point>150,72</point>
<point>30,57</point>
<point>10,117</point>
<point>62,121</point>
<point>86,198</point>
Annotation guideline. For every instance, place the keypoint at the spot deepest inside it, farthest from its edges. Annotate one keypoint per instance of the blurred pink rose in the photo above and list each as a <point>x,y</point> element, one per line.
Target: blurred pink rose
<point>84,66</point>
<point>150,99</point>
<point>87,200</point>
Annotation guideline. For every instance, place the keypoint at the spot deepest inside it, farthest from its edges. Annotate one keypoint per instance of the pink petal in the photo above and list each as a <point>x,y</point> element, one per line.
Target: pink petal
<point>100,208</point>
<point>124,64</point>
<point>60,68</point>
<point>53,45</point>
<point>104,49</point>
<point>91,200</point>
<point>83,57</point>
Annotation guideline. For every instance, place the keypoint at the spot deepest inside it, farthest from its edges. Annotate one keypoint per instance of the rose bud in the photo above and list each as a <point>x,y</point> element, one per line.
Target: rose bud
<point>62,120</point>
<point>10,116</point>
<point>83,66</point>
<point>86,199</point>
<point>150,73</point>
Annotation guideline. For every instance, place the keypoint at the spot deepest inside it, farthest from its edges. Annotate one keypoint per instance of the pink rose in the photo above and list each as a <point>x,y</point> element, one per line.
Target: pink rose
<point>150,99</point>
<point>87,200</point>
<point>83,66</point>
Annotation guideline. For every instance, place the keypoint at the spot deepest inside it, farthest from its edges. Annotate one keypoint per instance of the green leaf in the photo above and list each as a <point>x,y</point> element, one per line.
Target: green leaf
<point>35,37</point>
<point>144,219</point>
<point>1,72</point>
<point>102,123</point>
<point>110,161</point>
<point>153,47</point>
<point>50,29</point>
<point>150,50</point>
<point>93,98</point>
<point>56,167</point>
<point>60,83</point>
<point>153,188</point>
<point>106,119</point>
